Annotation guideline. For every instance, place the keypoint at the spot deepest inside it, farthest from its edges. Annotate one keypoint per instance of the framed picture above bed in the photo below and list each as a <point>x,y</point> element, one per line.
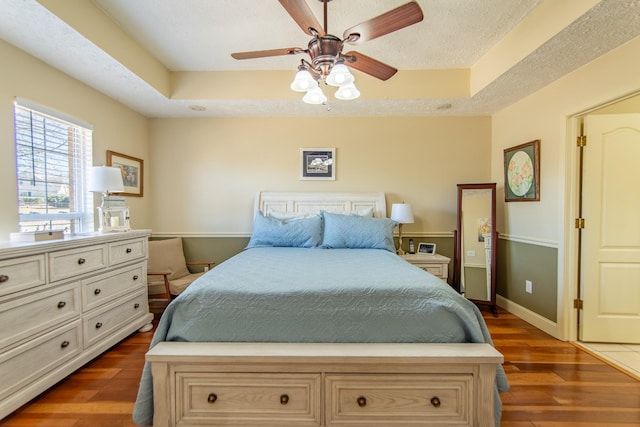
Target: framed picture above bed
<point>318,164</point>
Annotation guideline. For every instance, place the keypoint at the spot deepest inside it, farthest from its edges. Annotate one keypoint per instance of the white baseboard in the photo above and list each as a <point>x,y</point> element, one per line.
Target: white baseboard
<point>529,316</point>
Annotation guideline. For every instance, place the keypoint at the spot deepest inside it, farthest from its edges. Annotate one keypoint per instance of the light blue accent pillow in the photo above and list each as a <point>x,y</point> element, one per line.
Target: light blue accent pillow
<point>357,232</point>
<point>295,232</point>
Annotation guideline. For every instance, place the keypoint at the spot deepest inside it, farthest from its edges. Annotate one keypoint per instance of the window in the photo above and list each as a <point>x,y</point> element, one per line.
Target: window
<point>53,159</point>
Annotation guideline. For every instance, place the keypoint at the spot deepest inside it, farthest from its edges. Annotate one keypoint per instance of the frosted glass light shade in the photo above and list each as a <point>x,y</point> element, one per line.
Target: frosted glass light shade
<point>347,92</point>
<point>340,76</point>
<point>303,81</point>
<point>106,179</point>
<point>315,96</point>
<point>402,213</point>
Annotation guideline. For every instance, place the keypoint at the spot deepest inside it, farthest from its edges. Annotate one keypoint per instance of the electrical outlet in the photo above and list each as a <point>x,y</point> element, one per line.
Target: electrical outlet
<point>528,286</point>
<point>471,253</point>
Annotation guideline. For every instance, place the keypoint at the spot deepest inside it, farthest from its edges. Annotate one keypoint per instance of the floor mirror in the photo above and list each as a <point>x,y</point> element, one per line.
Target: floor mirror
<point>476,244</point>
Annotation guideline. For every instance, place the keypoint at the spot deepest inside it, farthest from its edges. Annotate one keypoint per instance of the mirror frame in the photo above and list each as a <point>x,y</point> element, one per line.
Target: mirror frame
<point>457,260</point>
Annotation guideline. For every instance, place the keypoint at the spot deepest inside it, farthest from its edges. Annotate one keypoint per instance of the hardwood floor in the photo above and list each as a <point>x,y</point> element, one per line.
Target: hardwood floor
<point>553,384</point>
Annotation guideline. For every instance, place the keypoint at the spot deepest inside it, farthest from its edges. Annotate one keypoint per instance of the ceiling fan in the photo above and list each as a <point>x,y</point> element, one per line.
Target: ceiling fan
<point>325,50</point>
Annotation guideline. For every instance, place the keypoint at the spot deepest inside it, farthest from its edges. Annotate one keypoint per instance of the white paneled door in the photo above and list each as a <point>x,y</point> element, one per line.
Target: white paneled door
<point>611,238</point>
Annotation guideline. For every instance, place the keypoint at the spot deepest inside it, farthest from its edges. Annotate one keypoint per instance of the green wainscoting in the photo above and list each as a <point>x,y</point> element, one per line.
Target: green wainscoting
<point>518,262</point>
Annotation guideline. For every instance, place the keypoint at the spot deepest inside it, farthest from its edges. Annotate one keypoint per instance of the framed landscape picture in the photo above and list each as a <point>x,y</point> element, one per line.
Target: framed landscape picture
<point>132,170</point>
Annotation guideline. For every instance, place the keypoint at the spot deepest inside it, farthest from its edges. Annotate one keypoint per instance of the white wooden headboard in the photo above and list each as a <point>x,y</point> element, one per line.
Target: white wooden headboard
<point>343,203</point>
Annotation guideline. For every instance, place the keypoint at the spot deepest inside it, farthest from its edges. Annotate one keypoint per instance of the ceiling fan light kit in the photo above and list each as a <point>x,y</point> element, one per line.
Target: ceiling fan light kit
<point>315,96</point>
<point>347,92</point>
<point>303,80</point>
<point>328,63</point>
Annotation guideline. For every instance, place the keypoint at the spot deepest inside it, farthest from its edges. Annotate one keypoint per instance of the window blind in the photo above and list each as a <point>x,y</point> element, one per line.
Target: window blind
<point>53,157</point>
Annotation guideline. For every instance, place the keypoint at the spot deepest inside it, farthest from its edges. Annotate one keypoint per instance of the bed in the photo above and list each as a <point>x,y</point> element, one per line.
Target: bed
<point>319,323</point>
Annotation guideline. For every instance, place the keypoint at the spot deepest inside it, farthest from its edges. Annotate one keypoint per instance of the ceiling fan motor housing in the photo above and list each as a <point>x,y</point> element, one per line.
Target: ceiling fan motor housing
<point>324,52</point>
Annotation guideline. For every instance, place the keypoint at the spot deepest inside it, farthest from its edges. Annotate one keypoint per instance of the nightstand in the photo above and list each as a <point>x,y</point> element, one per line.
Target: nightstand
<point>438,265</point>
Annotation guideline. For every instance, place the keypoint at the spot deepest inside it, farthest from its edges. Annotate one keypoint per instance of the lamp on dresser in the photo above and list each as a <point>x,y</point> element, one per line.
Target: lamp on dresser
<point>402,214</point>
<point>113,215</point>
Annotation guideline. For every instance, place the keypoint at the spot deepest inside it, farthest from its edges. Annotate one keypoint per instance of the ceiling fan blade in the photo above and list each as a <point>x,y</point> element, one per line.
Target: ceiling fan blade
<point>300,12</point>
<point>370,66</point>
<point>266,53</point>
<point>386,23</point>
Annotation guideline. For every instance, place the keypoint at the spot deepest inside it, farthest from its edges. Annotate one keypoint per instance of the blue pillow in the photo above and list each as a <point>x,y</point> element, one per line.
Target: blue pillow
<point>295,232</point>
<point>358,232</point>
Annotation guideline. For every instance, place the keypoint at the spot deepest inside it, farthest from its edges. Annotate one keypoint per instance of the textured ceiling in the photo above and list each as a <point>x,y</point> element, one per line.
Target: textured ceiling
<point>200,35</point>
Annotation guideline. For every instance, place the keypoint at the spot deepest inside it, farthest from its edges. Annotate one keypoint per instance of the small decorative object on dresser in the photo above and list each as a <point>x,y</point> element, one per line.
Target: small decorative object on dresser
<point>438,265</point>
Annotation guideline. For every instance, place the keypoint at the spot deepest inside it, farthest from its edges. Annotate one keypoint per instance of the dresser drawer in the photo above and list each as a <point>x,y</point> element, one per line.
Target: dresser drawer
<point>397,400</point>
<point>112,316</point>
<point>27,363</point>
<point>127,250</point>
<point>21,273</point>
<point>25,316</point>
<point>232,399</point>
<point>72,262</point>
<point>100,289</point>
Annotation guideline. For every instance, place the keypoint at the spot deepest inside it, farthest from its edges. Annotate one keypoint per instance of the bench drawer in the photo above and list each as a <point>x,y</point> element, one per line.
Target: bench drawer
<point>383,400</point>
<point>231,399</point>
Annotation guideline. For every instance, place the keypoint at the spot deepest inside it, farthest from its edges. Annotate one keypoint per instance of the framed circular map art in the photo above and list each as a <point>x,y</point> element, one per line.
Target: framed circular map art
<point>522,172</point>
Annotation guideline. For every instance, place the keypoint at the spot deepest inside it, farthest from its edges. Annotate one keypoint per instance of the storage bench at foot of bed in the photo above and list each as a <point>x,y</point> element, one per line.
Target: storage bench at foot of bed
<point>319,384</point>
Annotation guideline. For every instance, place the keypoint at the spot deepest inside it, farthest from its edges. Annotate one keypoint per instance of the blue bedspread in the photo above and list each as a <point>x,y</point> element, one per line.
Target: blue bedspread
<point>317,295</point>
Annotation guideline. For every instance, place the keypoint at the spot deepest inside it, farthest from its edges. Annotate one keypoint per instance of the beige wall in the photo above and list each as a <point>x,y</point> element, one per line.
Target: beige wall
<point>115,126</point>
<point>546,115</point>
<point>207,171</point>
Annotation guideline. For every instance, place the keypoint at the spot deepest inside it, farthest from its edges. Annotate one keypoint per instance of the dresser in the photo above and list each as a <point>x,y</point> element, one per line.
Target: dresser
<point>323,384</point>
<point>64,302</point>
<point>438,265</point>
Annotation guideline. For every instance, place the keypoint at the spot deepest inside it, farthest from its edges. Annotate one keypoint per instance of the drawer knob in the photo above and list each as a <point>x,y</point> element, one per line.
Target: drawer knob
<point>136,305</point>
<point>3,278</point>
<point>98,325</point>
<point>362,401</point>
<point>435,401</point>
<point>128,250</point>
<point>212,398</point>
<point>135,277</point>
<point>61,304</point>
<point>97,291</point>
<point>284,399</point>
<point>64,344</point>
<point>81,261</point>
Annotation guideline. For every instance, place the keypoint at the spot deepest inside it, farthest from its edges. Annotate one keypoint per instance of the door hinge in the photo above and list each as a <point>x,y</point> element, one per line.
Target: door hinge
<point>579,222</point>
<point>581,141</point>
<point>577,304</point>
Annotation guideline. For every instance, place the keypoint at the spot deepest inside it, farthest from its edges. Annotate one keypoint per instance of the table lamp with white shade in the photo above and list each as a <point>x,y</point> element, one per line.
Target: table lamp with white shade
<point>112,212</point>
<point>402,214</point>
